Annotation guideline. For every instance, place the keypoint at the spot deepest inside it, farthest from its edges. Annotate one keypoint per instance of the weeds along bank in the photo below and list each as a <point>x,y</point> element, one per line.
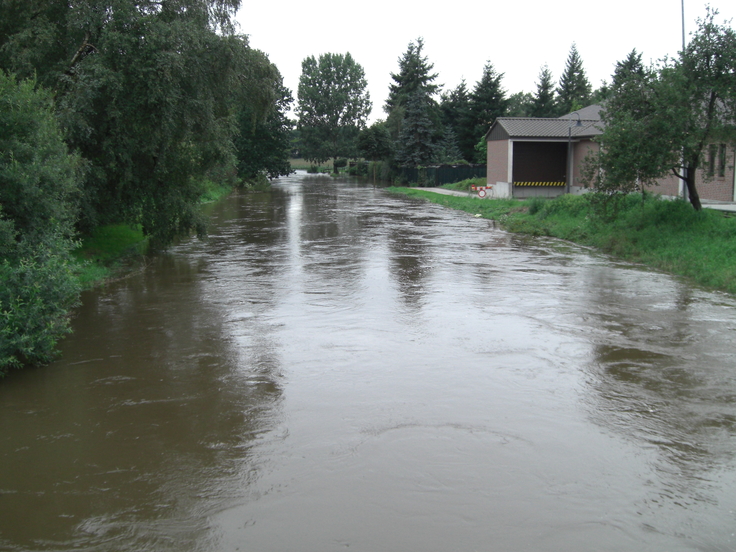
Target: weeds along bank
<point>666,235</point>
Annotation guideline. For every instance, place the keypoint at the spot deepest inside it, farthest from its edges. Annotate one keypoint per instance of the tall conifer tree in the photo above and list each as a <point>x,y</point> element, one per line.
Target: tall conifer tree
<point>487,101</point>
<point>574,89</point>
<point>543,104</point>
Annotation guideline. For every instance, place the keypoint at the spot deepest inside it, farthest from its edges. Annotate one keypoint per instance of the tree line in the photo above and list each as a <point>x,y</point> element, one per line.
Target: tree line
<point>118,111</point>
<point>423,124</point>
<point>674,117</point>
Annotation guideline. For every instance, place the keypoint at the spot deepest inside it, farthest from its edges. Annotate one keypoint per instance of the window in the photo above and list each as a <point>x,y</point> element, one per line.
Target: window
<point>711,160</point>
<point>722,160</point>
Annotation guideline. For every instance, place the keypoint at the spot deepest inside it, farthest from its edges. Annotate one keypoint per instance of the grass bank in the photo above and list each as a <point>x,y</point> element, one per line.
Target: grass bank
<point>114,250</point>
<point>666,235</point>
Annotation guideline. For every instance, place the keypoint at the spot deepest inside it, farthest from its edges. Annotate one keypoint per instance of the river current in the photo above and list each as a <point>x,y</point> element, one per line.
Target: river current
<point>336,368</point>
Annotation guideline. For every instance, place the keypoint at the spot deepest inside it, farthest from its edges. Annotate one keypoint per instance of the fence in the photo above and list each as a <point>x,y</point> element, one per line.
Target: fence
<point>431,177</point>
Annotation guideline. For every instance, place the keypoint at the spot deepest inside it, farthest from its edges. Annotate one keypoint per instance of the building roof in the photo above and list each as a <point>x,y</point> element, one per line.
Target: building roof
<point>505,128</point>
<point>590,113</point>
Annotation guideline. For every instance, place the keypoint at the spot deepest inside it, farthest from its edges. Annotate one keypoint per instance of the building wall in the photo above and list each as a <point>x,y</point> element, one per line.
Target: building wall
<point>579,151</point>
<point>715,187</point>
<point>717,184</point>
<point>497,161</point>
<point>667,186</point>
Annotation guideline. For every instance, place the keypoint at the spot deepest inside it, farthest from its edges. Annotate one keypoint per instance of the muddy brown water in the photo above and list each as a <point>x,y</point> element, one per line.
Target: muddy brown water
<point>339,368</point>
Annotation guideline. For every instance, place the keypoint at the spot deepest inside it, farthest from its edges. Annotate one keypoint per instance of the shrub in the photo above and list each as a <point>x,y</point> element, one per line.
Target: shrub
<point>36,294</point>
<point>39,187</point>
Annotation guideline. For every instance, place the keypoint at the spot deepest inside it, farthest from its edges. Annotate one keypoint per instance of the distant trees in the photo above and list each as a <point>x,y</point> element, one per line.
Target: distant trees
<point>574,89</point>
<point>374,143</point>
<point>680,110</point>
<point>544,102</point>
<point>455,113</point>
<point>415,75</point>
<point>333,105</point>
<point>416,140</point>
<point>487,100</point>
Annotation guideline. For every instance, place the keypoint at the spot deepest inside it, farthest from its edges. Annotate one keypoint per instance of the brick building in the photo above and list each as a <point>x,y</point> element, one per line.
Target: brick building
<point>530,157</point>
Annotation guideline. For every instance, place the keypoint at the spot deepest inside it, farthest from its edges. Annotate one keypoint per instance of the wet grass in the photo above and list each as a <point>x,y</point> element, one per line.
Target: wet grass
<point>115,250</point>
<point>667,235</point>
<point>108,251</point>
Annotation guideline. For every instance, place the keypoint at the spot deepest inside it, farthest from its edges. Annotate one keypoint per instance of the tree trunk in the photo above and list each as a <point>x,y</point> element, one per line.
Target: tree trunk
<point>692,191</point>
<point>691,170</point>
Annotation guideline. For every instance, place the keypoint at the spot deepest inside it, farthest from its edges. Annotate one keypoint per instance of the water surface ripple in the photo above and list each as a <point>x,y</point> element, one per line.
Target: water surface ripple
<point>338,367</point>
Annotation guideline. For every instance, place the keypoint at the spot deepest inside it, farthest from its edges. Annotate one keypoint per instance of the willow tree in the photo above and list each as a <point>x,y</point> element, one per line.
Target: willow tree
<point>145,92</point>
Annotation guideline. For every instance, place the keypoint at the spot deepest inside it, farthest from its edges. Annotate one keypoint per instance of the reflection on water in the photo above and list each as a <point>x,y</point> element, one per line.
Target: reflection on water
<point>338,367</point>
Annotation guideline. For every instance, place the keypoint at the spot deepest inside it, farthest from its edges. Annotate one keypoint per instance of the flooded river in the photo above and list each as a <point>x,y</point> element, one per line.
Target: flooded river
<point>339,368</point>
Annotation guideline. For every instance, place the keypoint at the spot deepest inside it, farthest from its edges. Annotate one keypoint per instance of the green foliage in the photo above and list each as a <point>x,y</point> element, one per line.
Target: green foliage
<point>333,106</point>
<point>481,151</point>
<point>455,111</point>
<point>414,79</point>
<point>656,117</point>
<point>544,103</point>
<point>520,104</point>
<point>37,291</point>
<point>574,90</point>
<point>39,179</point>
<point>415,146</point>
<point>146,94</point>
<point>465,185</point>
<point>39,182</point>
<point>374,142</point>
<point>447,150</point>
<point>264,140</point>
<point>487,101</point>
<point>415,73</point>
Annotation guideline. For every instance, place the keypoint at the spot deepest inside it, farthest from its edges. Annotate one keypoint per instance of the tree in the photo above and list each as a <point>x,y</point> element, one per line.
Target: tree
<point>455,110</point>
<point>487,101</point>
<point>520,104</point>
<point>447,150</point>
<point>574,89</point>
<point>144,91</point>
<point>543,103</point>
<point>263,143</point>
<point>39,187</point>
<point>333,106</point>
<point>658,117</point>
<point>631,66</point>
<point>415,75</point>
<point>375,144</point>
<point>416,147</point>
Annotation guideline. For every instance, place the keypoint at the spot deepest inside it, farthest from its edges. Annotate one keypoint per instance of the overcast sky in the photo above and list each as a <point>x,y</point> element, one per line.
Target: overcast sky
<point>461,35</point>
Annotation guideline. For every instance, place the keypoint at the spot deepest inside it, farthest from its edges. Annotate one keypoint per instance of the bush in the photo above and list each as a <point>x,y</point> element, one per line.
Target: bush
<point>36,294</point>
<point>39,187</point>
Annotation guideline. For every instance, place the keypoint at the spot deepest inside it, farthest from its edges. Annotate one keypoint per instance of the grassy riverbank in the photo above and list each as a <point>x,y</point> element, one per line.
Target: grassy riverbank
<point>114,250</point>
<point>666,235</point>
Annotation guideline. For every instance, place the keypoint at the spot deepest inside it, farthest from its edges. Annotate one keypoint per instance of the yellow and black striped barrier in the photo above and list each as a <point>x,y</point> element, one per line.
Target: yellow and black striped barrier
<point>539,183</point>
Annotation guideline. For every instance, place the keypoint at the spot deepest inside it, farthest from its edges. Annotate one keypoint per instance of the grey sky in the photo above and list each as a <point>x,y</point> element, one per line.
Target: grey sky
<point>461,35</point>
